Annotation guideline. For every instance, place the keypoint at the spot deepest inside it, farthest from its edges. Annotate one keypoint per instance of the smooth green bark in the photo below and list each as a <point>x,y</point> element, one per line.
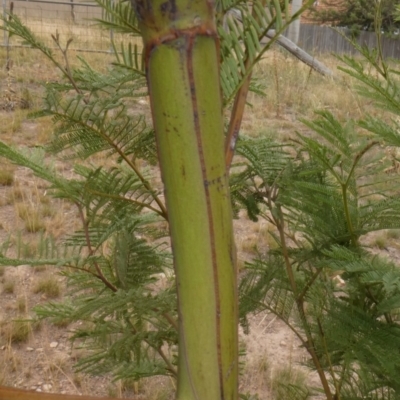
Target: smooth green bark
<point>182,63</point>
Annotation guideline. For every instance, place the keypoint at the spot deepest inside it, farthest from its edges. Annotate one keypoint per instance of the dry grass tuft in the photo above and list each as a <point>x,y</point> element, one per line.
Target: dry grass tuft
<point>249,244</point>
<point>31,217</point>
<point>288,381</point>
<point>393,233</point>
<point>11,123</point>
<point>45,130</point>
<point>16,194</point>
<point>39,268</point>
<point>22,305</point>
<point>47,210</point>
<point>49,286</point>
<point>6,176</point>
<point>9,286</point>
<point>57,225</point>
<point>17,331</point>
<point>381,242</point>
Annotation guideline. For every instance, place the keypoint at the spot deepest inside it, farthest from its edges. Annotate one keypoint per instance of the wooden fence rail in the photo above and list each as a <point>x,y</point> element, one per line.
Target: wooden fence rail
<point>8,393</point>
<point>323,39</point>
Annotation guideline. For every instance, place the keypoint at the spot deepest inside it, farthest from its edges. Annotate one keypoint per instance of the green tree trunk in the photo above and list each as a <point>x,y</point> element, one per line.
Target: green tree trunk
<point>182,64</point>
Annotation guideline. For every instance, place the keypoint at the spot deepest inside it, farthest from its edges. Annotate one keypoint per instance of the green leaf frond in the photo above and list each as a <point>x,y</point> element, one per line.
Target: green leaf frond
<point>356,341</point>
<point>34,159</point>
<point>128,321</point>
<point>242,28</point>
<point>361,382</point>
<point>389,133</point>
<point>113,191</point>
<point>252,181</point>
<point>383,89</point>
<point>374,282</point>
<point>123,79</point>
<point>124,331</point>
<point>101,99</point>
<point>329,189</point>
<point>304,202</point>
<point>135,261</point>
<point>119,16</point>
<point>129,57</point>
<point>15,27</point>
<point>264,287</point>
<point>98,125</point>
<point>353,328</point>
<point>342,173</point>
<point>335,169</point>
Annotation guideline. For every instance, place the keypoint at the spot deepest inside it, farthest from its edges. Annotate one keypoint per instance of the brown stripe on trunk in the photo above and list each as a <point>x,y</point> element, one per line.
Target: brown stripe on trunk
<point>190,43</point>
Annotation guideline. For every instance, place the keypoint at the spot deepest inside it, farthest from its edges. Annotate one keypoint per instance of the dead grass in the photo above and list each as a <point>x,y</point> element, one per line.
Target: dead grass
<point>9,286</point>
<point>17,331</point>
<point>7,176</point>
<point>31,216</point>
<point>11,123</point>
<point>22,305</point>
<point>58,224</point>
<point>288,381</point>
<point>16,194</point>
<point>248,244</point>
<point>39,268</point>
<point>393,234</point>
<point>381,241</point>
<point>294,91</point>
<point>49,286</point>
<point>47,210</point>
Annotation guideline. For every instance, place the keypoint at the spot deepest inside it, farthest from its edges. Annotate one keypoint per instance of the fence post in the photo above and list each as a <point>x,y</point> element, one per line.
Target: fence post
<point>111,32</point>
<point>293,31</point>
<point>72,11</point>
<point>5,36</point>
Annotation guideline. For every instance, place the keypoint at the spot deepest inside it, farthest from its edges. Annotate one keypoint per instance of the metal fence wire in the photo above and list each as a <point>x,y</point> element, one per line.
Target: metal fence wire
<point>70,19</point>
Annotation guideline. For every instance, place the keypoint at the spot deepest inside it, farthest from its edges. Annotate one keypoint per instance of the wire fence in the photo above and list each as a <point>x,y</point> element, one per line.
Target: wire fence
<point>76,20</point>
<point>69,19</point>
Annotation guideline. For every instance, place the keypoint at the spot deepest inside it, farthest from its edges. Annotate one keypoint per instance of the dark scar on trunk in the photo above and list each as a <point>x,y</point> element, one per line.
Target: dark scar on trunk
<point>170,8</point>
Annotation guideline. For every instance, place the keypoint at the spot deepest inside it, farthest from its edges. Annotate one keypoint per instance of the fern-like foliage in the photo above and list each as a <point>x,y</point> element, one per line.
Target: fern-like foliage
<point>117,264</point>
<point>350,330</point>
<point>119,16</point>
<point>321,191</point>
<point>242,29</point>
<point>264,158</point>
<point>331,186</point>
<point>124,328</point>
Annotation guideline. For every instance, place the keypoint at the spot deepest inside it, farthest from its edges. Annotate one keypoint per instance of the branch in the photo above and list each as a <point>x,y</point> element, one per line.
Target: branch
<point>122,198</point>
<point>91,252</point>
<point>170,367</point>
<point>300,306</point>
<point>67,70</point>
<point>301,54</point>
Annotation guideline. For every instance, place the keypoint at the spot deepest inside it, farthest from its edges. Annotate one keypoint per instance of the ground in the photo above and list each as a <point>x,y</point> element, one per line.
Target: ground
<point>39,356</point>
